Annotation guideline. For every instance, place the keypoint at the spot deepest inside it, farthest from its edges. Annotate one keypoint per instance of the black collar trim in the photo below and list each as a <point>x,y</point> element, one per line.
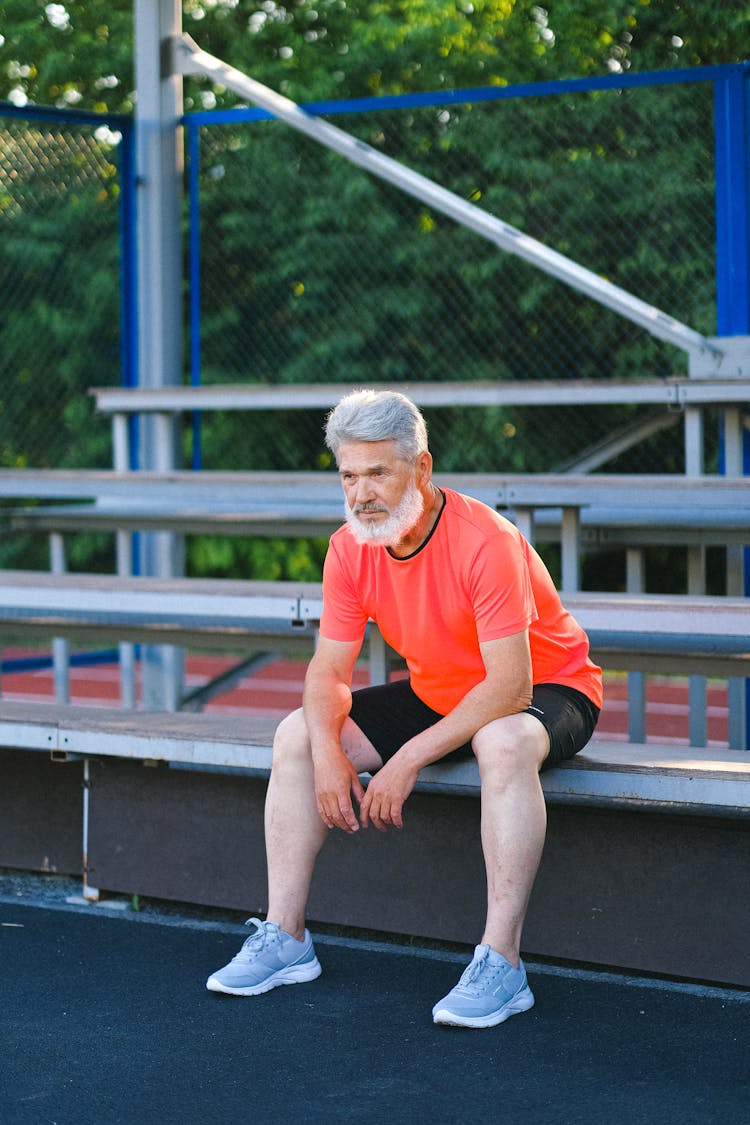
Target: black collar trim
<point>421,547</point>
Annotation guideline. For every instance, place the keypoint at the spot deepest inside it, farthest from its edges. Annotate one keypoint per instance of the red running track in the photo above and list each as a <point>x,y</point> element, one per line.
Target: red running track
<point>277,689</point>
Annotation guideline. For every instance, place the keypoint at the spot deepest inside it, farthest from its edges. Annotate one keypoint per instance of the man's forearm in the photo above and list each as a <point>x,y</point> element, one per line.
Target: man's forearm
<point>326,703</point>
<point>481,705</point>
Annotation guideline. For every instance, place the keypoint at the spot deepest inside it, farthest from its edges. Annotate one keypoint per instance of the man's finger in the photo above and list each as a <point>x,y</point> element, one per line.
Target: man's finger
<point>349,819</point>
<point>376,817</point>
<point>364,808</point>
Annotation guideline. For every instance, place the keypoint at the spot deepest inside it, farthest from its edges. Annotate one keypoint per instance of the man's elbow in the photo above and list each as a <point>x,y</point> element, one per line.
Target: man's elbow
<point>523,695</point>
<point>523,703</point>
<point>514,698</point>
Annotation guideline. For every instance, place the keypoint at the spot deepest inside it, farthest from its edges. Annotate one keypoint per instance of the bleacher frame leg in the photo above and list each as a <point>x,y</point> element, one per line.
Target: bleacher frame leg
<point>90,894</point>
<point>60,646</point>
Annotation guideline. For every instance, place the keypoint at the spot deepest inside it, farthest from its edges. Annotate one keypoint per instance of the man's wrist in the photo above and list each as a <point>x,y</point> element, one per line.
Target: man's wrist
<point>325,750</point>
<point>414,754</point>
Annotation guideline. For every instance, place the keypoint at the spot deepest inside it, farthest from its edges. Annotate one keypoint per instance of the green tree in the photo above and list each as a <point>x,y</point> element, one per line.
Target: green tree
<point>79,52</point>
<point>76,54</point>
<point>59,273</point>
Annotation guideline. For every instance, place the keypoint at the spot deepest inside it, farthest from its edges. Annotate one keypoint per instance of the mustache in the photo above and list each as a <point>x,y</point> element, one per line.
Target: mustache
<point>370,508</point>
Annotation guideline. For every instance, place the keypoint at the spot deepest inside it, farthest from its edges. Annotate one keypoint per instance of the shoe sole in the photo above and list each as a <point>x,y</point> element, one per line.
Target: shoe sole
<point>294,974</point>
<point>521,1002</point>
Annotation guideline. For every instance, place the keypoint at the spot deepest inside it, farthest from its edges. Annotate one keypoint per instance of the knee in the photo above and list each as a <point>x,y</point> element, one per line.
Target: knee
<point>291,743</point>
<point>509,746</point>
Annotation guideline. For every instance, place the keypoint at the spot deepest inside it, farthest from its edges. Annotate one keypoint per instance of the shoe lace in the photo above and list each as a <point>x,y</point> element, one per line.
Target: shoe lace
<point>480,966</point>
<point>255,942</point>
<point>474,969</point>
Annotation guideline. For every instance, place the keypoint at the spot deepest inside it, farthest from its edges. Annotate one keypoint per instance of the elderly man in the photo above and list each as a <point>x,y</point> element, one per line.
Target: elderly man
<point>497,668</point>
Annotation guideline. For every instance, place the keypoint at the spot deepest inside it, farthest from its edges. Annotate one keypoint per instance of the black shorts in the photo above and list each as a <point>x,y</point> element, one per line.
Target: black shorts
<point>391,714</point>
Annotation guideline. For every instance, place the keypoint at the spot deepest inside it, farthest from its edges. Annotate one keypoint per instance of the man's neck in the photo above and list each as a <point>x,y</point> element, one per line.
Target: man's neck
<point>433,502</point>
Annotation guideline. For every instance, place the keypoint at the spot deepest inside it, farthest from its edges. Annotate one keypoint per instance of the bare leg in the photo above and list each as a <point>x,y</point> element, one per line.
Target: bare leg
<point>294,831</point>
<point>514,821</point>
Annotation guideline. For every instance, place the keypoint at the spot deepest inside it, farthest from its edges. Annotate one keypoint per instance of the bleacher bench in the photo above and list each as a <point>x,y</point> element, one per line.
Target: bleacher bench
<point>667,778</point>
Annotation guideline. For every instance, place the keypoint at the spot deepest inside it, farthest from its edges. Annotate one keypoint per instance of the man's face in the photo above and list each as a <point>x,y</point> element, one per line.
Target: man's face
<point>383,501</point>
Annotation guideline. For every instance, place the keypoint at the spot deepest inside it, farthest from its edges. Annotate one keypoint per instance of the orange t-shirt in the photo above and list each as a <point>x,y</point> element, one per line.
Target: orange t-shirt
<point>474,579</point>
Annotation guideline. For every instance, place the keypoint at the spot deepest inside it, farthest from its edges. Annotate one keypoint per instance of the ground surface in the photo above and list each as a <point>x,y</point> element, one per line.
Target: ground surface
<point>105,1019</point>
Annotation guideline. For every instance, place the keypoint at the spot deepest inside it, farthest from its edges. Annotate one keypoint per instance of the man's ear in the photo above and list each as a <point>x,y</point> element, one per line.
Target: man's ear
<point>424,468</point>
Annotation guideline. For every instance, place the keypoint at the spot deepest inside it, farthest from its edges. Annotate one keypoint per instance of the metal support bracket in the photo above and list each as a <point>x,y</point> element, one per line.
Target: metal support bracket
<point>731,360</point>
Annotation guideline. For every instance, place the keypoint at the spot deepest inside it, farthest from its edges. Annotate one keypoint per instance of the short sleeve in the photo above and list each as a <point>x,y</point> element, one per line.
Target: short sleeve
<point>343,617</point>
<point>501,588</point>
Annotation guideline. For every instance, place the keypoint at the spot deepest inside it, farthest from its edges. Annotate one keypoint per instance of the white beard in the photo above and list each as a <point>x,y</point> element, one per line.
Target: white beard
<point>388,532</point>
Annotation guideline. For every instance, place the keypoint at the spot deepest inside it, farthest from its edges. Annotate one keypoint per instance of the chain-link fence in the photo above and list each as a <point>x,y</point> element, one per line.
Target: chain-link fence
<point>61,282</point>
<point>313,271</point>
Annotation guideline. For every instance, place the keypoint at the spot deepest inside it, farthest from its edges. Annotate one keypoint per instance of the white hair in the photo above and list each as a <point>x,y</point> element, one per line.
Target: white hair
<point>372,415</point>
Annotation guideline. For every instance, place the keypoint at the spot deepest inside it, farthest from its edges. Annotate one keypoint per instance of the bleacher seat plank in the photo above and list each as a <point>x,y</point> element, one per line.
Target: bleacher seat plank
<point>163,610</point>
<point>677,778</point>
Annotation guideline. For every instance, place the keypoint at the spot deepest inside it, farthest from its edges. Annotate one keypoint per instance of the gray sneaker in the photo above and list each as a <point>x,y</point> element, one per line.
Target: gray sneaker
<point>489,991</point>
<point>269,957</point>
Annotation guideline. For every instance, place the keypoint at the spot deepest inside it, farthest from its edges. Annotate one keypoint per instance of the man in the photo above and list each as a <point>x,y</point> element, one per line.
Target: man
<point>497,668</point>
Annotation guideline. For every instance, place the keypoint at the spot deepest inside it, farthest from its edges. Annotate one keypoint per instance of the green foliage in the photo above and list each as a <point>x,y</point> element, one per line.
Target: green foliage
<point>298,560</point>
<point>59,269</point>
<point>71,54</point>
<point>79,52</point>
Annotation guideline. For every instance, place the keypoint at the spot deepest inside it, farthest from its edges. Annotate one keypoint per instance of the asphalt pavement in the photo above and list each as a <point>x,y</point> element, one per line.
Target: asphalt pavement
<point>104,1018</point>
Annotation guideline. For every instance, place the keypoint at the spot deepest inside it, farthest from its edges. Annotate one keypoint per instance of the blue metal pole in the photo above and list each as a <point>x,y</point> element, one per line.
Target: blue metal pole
<point>732,146</point>
<point>732,160</point>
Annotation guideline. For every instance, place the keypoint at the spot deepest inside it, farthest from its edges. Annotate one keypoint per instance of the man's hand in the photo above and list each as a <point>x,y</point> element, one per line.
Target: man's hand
<point>386,793</point>
<point>335,781</point>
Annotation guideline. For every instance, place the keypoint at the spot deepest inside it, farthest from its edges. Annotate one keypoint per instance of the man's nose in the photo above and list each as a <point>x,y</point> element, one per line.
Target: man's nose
<point>364,491</point>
